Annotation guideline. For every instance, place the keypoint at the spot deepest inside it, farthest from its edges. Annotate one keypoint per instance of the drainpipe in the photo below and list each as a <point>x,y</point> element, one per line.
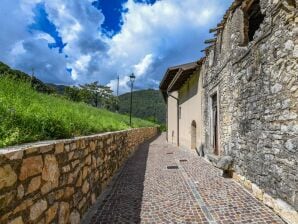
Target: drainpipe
<point>177,99</point>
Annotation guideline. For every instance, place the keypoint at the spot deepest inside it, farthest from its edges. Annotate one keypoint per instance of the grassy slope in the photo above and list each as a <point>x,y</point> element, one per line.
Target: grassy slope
<point>26,116</point>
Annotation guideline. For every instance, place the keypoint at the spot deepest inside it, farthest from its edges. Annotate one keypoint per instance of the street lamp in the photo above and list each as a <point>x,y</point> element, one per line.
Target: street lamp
<point>132,79</point>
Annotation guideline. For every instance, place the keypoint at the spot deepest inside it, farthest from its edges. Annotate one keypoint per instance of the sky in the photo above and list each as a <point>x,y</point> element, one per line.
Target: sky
<point>75,42</point>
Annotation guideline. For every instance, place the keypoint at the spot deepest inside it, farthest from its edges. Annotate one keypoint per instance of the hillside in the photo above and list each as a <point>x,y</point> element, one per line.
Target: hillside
<point>6,71</point>
<point>146,104</point>
<point>59,89</point>
<point>27,115</point>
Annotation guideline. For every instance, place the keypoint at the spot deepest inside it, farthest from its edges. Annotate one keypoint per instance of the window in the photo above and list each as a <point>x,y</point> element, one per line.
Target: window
<point>254,18</point>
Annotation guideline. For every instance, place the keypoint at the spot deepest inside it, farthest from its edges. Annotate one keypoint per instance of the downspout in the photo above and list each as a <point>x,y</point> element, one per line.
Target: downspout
<point>177,99</point>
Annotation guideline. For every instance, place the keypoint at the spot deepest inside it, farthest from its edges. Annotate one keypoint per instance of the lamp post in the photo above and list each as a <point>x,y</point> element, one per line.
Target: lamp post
<point>132,79</point>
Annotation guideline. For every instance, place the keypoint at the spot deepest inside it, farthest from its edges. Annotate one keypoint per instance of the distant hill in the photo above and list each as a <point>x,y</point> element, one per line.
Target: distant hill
<point>146,104</point>
<point>58,88</point>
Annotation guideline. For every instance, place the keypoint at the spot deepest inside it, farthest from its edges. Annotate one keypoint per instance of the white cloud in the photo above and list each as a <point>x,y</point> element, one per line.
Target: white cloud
<point>152,38</point>
<point>17,49</point>
<point>144,65</point>
<point>171,30</point>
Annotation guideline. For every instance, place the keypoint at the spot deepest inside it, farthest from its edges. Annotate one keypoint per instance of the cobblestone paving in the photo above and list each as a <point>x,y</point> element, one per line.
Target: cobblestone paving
<point>147,192</point>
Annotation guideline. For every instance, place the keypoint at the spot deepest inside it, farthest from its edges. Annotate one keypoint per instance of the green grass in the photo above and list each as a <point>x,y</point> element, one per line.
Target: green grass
<point>27,116</point>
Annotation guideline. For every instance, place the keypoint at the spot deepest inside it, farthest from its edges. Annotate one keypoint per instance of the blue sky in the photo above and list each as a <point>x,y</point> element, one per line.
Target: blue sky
<point>73,42</point>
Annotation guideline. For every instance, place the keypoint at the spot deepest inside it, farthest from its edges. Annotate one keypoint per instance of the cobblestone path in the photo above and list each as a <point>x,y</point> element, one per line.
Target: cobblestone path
<point>147,192</point>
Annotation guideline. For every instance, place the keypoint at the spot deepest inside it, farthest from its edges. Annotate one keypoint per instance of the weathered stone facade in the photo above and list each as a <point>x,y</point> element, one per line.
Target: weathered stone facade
<point>257,89</point>
<point>250,78</point>
<point>56,182</point>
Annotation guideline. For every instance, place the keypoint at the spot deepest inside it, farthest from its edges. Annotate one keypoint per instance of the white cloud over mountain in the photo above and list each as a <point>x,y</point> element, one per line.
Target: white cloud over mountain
<point>151,38</point>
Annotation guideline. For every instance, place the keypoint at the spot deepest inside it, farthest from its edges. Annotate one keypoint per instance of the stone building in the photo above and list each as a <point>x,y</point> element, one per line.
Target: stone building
<point>241,99</point>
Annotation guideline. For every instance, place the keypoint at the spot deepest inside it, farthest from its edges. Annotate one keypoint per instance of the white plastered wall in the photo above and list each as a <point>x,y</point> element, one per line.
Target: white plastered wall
<point>191,110</point>
<point>172,118</point>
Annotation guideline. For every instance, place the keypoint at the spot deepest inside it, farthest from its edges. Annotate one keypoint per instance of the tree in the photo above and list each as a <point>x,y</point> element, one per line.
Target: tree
<point>99,95</point>
<point>72,93</point>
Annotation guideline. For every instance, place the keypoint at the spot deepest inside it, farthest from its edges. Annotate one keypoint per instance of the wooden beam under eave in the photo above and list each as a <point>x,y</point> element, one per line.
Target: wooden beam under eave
<point>207,48</point>
<point>210,41</point>
<point>215,29</point>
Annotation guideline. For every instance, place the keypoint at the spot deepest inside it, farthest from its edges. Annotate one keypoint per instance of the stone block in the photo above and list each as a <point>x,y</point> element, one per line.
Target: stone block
<point>88,160</point>
<point>74,217</point>
<point>85,172</point>
<point>93,162</point>
<point>82,203</point>
<point>257,192</point>
<point>80,180</point>
<point>50,171</point>
<point>34,184</point>
<point>31,150</point>
<point>92,145</point>
<point>18,220</point>
<point>69,191</point>
<point>63,216</point>
<point>31,167</point>
<point>38,209</point>
<point>292,144</point>
<point>268,200</point>
<point>6,199</point>
<point>59,148</point>
<point>225,163</point>
<point>59,194</point>
<point>24,205</point>
<point>74,163</point>
<point>51,213</point>
<point>247,185</point>
<point>7,176</point>
<point>85,187</point>
<point>21,191</point>
<point>47,187</point>
<point>66,169</point>
<point>73,146</point>
<point>287,212</point>
<point>70,155</point>
<point>93,198</point>
<point>15,155</point>
<point>46,149</point>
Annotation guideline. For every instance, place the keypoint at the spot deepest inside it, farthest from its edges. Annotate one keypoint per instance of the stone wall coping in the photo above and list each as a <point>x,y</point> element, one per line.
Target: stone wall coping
<point>46,143</point>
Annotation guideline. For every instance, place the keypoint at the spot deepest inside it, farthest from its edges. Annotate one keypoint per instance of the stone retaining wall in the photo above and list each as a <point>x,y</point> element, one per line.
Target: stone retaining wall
<point>56,182</point>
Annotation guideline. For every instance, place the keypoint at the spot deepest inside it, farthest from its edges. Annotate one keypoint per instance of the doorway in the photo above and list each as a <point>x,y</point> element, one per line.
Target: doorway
<point>214,122</point>
<point>193,135</point>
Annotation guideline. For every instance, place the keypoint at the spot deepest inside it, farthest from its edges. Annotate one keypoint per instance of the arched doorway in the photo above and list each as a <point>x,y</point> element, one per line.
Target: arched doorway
<point>193,135</point>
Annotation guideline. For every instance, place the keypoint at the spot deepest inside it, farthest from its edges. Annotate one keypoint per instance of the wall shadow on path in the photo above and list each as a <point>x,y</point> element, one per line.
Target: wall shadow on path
<point>123,202</point>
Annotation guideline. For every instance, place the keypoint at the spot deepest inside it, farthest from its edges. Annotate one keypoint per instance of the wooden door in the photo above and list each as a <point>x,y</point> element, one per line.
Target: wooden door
<point>193,135</point>
<point>215,124</point>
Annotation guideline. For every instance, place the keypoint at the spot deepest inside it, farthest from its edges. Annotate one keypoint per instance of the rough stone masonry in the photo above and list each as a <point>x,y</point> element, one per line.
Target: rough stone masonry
<point>56,182</point>
<point>252,67</point>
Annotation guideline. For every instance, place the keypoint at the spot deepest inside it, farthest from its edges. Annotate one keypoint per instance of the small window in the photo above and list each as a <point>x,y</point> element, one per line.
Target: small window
<point>255,18</point>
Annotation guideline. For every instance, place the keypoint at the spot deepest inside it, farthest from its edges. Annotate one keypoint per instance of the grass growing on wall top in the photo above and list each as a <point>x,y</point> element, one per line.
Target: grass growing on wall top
<point>27,116</point>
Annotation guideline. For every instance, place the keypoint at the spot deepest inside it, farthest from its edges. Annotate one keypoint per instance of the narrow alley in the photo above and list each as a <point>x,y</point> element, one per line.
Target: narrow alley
<point>161,183</point>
